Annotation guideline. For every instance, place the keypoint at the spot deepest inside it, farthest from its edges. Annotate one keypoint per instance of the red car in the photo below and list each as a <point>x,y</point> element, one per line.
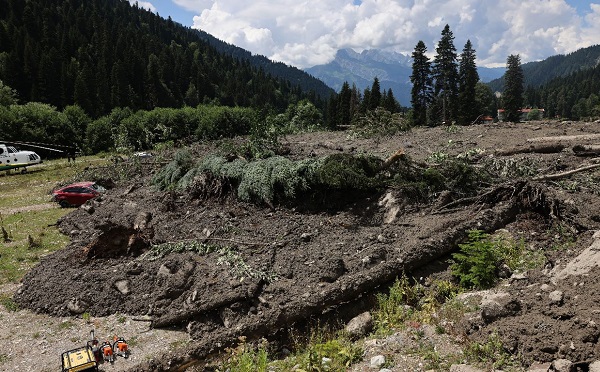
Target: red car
<point>76,194</point>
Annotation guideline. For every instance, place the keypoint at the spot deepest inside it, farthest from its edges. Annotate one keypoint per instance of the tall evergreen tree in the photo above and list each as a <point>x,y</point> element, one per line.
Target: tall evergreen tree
<point>421,92</point>
<point>344,112</point>
<point>467,82</point>
<point>512,98</point>
<point>375,99</point>
<point>445,74</point>
<point>390,103</point>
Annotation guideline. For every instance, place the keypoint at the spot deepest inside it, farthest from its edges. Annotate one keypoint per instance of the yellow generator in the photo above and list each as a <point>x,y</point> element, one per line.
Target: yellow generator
<point>80,359</point>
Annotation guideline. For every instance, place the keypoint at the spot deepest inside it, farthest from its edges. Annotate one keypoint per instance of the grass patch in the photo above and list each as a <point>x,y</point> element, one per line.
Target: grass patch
<point>30,229</point>
<point>31,238</point>
<point>409,303</point>
<point>8,303</point>
<point>491,354</point>
<point>66,325</point>
<point>322,350</point>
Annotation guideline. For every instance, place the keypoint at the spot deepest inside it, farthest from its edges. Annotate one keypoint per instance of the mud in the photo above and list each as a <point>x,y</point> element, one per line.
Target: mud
<point>262,270</point>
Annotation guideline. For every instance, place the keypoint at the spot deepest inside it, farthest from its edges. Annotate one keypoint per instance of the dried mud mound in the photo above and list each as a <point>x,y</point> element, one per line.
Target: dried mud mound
<point>257,270</point>
<point>221,269</point>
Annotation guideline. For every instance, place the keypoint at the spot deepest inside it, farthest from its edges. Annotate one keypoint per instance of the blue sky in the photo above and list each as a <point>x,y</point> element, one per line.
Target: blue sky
<point>305,33</point>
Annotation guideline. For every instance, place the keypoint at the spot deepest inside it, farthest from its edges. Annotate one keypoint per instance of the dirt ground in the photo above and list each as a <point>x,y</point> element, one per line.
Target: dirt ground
<point>267,269</point>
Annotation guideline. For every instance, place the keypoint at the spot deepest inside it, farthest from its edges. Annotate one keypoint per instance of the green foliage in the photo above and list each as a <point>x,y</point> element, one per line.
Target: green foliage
<point>8,303</point>
<point>379,122</point>
<point>490,354</point>
<point>161,250</point>
<point>8,96</point>
<point>511,167</point>
<point>408,301</point>
<point>245,358</point>
<point>264,139</point>
<point>512,97</point>
<point>277,178</point>
<point>321,350</point>
<point>38,122</point>
<point>341,171</point>
<point>221,121</point>
<point>227,256</point>
<point>445,173</point>
<point>476,263</point>
<point>103,55</point>
<point>168,176</point>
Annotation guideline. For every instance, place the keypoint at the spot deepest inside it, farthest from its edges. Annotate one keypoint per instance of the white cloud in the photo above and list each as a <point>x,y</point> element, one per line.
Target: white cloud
<point>144,5</point>
<point>308,32</point>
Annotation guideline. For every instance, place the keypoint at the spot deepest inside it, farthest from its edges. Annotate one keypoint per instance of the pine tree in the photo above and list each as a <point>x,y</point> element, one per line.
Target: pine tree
<point>389,102</point>
<point>512,97</point>
<point>445,74</point>
<point>468,79</point>
<point>421,93</point>
<point>344,113</point>
<point>375,99</point>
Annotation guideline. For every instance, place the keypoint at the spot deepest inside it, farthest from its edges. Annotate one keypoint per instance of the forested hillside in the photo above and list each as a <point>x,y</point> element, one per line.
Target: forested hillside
<point>102,54</point>
<point>575,96</point>
<point>540,73</point>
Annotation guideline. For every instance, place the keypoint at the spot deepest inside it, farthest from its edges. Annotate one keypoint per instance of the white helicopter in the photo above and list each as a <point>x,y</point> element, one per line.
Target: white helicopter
<point>11,158</point>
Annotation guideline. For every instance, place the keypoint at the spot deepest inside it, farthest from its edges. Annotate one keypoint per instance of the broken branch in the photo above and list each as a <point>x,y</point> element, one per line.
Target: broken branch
<point>556,176</point>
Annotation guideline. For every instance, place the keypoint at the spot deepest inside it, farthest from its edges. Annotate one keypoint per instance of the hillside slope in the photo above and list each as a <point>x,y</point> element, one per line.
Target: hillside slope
<point>541,72</point>
<point>102,54</point>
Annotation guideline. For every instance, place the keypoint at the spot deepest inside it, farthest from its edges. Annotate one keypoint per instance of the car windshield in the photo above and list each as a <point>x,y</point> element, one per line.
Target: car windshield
<point>97,187</point>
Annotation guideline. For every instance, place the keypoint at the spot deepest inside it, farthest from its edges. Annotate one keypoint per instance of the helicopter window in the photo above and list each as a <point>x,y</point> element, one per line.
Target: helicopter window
<point>11,150</point>
<point>1,150</point>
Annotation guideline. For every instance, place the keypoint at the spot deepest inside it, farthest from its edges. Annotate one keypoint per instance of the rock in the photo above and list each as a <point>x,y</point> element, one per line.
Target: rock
<point>545,287</point>
<point>385,370</point>
<point>88,207</point>
<point>360,325</point>
<point>77,306</point>
<point>464,368</point>
<point>499,306</point>
<point>562,365</point>
<point>377,361</point>
<point>539,367</point>
<point>504,271</point>
<point>305,237</point>
<point>122,286</point>
<point>594,366</point>
<point>518,276</point>
<point>164,270</point>
<point>556,297</point>
<point>141,220</point>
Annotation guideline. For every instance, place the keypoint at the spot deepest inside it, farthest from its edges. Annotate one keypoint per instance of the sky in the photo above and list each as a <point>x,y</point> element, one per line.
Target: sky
<point>305,33</point>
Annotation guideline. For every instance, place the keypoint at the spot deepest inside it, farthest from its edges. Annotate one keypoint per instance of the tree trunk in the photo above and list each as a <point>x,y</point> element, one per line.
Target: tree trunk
<point>540,149</point>
<point>586,150</point>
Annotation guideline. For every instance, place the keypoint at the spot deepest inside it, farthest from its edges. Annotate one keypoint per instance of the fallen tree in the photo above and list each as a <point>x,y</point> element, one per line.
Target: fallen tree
<point>560,175</point>
<point>579,137</point>
<point>540,149</point>
<point>586,150</point>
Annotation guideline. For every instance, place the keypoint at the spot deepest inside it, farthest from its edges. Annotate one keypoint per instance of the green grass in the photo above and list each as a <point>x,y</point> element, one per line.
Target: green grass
<point>27,212</point>
<point>8,303</point>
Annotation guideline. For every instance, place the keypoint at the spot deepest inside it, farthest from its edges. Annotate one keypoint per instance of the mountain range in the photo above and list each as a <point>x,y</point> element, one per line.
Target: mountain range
<point>391,68</point>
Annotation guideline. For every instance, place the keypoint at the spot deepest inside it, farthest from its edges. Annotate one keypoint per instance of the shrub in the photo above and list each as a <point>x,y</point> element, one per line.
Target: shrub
<point>476,263</point>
